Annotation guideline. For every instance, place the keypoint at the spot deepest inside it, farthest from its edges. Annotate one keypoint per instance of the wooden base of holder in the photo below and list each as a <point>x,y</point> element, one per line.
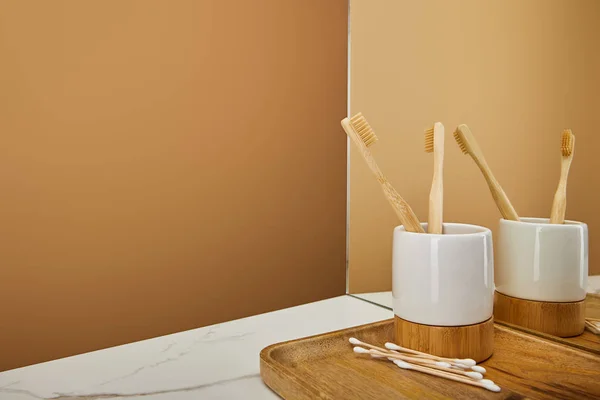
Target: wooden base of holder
<point>468,341</point>
<point>558,319</point>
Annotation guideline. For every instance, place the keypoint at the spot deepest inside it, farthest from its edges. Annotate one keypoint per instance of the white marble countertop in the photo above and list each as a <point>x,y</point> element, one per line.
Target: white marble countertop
<point>214,362</point>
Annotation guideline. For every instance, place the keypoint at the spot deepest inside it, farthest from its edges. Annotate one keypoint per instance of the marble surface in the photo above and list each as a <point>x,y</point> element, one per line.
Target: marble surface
<point>385,298</point>
<point>214,362</point>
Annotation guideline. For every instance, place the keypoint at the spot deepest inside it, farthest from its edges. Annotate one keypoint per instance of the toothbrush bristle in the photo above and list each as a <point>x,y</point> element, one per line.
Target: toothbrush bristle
<point>363,129</point>
<point>429,140</point>
<point>567,143</point>
<point>460,141</point>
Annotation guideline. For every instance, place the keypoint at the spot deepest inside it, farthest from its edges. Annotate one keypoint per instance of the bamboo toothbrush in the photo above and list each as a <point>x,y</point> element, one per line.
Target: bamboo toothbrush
<point>559,205</point>
<point>468,145</point>
<point>361,133</point>
<point>434,143</point>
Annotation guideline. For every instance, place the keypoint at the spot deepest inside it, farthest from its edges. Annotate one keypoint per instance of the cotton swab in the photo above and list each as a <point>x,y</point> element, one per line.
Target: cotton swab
<point>594,327</point>
<point>491,386</point>
<point>465,361</point>
<point>428,363</point>
<point>357,342</point>
<point>398,356</point>
<point>459,364</point>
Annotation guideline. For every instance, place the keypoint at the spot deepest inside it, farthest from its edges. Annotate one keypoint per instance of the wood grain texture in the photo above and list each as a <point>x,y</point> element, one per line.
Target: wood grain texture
<point>470,341</point>
<point>592,305</point>
<point>325,367</point>
<point>558,319</point>
<point>587,341</point>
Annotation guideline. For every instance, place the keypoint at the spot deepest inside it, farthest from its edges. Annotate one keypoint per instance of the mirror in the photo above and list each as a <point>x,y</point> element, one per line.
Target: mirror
<point>516,86</point>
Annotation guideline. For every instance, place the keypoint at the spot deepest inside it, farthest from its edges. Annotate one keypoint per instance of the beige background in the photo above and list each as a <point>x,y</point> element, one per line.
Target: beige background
<point>166,165</point>
<point>517,72</point>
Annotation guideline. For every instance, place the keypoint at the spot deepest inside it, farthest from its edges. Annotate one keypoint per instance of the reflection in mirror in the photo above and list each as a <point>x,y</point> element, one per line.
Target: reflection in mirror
<point>402,81</point>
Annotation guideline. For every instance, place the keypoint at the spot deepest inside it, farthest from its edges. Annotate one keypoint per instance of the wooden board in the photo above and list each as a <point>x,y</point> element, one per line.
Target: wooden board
<point>566,319</point>
<point>586,341</point>
<point>592,306</point>
<point>523,365</point>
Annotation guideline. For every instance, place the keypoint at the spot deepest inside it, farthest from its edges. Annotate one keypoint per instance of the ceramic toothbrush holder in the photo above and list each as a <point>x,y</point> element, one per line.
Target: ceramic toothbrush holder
<point>443,291</point>
<point>541,275</point>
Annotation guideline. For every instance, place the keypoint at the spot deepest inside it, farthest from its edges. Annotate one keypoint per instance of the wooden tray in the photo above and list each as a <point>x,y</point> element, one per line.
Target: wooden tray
<point>586,341</point>
<point>523,365</point>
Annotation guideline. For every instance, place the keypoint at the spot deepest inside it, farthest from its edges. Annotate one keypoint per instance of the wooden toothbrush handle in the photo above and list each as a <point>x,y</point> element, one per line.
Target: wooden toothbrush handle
<point>559,206</point>
<point>501,199</point>
<point>436,195</point>
<point>435,218</point>
<point>405,214</point>
<point>403,211</point>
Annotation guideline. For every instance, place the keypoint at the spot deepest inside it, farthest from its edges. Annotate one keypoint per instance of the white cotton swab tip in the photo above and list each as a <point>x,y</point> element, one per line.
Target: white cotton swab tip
<point>467,361</point>
<point>402,364</point>
<point>392,346</point>
<point>443,364</point>
<point>487,382</point>
<point>354,341</point>
<point>479,369</point>
<point>474,375</point>
<point>360,350</point>
<point>493,388</point>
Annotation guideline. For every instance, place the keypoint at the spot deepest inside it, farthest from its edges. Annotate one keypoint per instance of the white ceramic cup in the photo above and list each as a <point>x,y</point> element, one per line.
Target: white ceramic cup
<point>443,280</point>
<point>542,261</point>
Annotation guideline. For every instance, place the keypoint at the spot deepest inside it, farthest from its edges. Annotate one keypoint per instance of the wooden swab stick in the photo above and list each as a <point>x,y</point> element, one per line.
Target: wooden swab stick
<point>489,385</point>
<point>357,342</point>
<point>421,361</point>
<point>466,361</point>
<point>416,354</point>
<point>592,327</point>
<point>392,347</point>
<point>399,356</point>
